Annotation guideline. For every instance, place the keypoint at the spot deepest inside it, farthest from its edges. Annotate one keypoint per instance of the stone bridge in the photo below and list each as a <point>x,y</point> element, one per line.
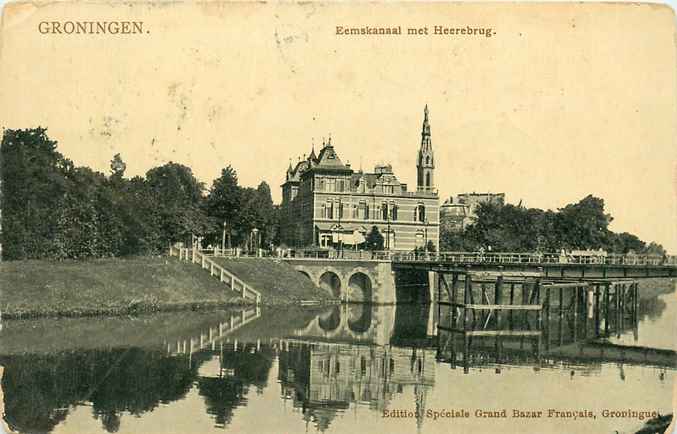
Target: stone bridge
<point>370,281</point>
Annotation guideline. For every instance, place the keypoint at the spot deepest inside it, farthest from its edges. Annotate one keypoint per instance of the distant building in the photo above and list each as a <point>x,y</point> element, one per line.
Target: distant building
<point>459,211</point>
<point>325,203</point>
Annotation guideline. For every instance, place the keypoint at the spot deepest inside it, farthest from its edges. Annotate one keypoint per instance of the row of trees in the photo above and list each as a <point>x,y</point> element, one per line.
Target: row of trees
<point>52,209</point>
<point>514,228</point>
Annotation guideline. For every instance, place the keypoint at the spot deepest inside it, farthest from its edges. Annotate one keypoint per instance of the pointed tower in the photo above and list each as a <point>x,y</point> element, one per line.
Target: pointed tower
<point>425,164</point>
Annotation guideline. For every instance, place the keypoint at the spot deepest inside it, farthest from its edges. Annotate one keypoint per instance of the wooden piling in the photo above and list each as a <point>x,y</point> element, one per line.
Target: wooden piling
<point>497,297</point>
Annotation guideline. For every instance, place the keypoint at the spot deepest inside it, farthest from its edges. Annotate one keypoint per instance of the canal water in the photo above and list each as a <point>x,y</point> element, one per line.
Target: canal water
<point>344,369</point>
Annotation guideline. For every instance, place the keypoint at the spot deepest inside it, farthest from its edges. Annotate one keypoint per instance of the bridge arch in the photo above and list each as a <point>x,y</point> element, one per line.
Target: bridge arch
<point>330,280</point>
<point>360,287</point>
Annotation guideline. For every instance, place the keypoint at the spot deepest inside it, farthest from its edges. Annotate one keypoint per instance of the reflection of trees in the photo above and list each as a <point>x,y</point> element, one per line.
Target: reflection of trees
<point>222,394</point>
<point>651,308</point>
<point>39,389</point>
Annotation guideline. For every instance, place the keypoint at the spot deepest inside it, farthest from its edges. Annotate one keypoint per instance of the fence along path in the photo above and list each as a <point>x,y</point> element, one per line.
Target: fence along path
<point>232,281</point>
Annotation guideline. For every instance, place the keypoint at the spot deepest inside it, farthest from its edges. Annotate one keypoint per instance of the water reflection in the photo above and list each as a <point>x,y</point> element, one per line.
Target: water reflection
<point>311,368</point>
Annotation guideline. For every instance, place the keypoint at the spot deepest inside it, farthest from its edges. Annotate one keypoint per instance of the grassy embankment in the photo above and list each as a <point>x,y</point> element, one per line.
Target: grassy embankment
<point>107,287</point>
<point>277,281</point>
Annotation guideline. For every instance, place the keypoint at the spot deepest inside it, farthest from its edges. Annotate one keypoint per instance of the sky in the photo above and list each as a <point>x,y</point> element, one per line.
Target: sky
<point>562,102</point>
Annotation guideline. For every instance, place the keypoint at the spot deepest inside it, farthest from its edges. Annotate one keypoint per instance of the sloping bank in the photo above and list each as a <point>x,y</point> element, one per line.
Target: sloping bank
<point>106,287</point>
<point>277,281</point>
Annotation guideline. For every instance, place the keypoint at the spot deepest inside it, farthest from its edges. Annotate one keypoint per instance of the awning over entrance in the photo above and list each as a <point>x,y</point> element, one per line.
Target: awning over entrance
<point>350,238</point>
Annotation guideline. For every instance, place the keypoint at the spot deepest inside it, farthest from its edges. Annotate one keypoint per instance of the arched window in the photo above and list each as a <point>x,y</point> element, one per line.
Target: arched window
<point>384,211</point>
<point>419,213</point>
<point>393,212</point>
<point>427,180</point>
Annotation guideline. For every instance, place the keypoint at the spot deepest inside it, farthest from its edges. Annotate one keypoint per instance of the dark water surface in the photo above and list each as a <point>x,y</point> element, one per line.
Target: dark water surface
<point>335,370</point>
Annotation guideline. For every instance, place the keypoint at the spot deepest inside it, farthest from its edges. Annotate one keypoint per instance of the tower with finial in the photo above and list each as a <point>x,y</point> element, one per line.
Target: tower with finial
<point>425,163</point>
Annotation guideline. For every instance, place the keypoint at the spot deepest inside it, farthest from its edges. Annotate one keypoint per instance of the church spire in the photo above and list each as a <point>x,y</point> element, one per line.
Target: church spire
<point>425,163</point>
<point>425,130</point>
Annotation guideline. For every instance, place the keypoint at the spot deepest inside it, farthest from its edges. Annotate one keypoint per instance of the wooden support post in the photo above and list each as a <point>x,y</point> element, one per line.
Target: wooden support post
<point>561,302</point>
<point>454,284</point>
<point>466,351</point>
<point>596,309</point>
<point>440,278</point>
<point>498,292</point>
<point>232,282</point>
<point>575,312</point>
<point>585,311</point>
<point>467,293</point>
<point>606,308</point>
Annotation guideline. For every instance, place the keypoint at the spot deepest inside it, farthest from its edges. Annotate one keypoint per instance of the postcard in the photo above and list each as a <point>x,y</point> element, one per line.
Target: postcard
<point>337,217</point>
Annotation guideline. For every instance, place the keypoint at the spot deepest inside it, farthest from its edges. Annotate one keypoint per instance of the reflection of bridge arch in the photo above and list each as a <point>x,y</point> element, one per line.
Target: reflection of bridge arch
<point>330,280</point>
<point>360,287</point>
<point>354,321</point>
<point>330,321</point>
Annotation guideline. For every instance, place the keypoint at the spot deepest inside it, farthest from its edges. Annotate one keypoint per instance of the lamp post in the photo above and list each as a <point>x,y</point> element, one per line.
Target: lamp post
<point>425,233</point>
<point>388,221</point>
<point>254,239</point>
<point>223,238</point>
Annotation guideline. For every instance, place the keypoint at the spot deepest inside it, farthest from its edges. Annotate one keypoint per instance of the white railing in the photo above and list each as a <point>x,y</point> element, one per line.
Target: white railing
<point>477,257</point>
<point>195,256</point>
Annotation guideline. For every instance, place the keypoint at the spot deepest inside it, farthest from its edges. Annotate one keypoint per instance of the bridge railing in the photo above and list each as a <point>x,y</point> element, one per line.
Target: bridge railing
<point>453,257</point>
<point>195,256</point>
<point>535,258</point>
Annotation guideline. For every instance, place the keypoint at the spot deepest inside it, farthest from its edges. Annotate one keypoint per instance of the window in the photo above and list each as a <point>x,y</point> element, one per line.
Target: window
<point>321,185</point>
<point>363,211</point>
<point>329,210</point>
<point>393,212</point>
<point>331,183</point>
<point>427,180</point>
<point>388,189</point>
<point>354,214</point>
<point>384,211</point>
<point>340,210</point>
<point>340,185</point>
<point>419,213</point>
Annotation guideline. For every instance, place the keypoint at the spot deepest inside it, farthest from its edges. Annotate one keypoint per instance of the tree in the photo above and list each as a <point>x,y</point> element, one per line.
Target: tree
<point>180,202</point>
<point>223,201</point>
<point>374,240</point>
<point>584,225</point>
<point>655,249</point>
<point>117,167</point>
<point>625,242</point>
<point>33,186</point>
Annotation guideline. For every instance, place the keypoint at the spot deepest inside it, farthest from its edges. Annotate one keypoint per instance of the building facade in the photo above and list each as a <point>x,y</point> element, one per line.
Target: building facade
<point>459,211</point>
<point>327,204</point>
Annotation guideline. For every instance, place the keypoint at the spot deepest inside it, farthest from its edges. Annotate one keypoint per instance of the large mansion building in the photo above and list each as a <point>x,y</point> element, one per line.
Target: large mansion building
<point>325,203</point>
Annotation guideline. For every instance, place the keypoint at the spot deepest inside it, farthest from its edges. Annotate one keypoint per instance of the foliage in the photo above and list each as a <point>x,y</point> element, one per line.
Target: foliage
<point>374,240</point>
<point>52,209</point>
<point>509,228</point>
